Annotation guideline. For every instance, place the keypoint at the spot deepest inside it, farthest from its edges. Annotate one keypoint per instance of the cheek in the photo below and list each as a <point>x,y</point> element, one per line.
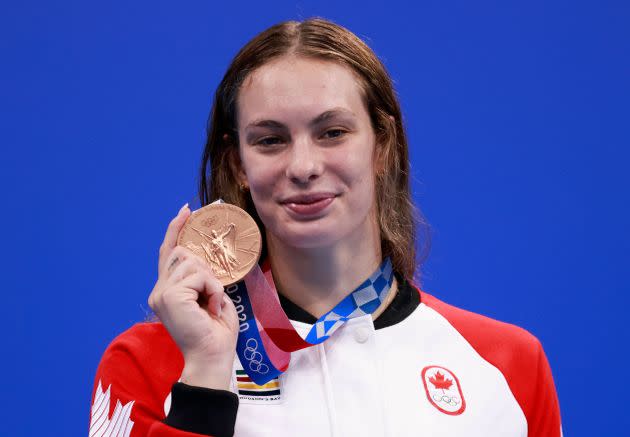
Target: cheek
<point>364,190</point>
<point>357,171</point>
<point>263,179</point>
<point>259,172</point>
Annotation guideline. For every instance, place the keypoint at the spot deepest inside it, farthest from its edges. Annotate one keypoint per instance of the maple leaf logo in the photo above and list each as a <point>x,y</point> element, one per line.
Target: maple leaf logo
<point>120,424</point>
<point>439,381</point>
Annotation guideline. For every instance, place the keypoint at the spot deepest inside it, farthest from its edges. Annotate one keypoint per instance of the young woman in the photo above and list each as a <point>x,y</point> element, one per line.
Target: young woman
<point>306,135</point>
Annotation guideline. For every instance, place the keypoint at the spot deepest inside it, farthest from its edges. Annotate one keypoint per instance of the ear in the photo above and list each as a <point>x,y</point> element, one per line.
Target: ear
<point>234,161</point>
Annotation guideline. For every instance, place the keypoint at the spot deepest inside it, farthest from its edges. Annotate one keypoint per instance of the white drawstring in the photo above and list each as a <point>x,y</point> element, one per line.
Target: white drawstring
<point>330,402</point>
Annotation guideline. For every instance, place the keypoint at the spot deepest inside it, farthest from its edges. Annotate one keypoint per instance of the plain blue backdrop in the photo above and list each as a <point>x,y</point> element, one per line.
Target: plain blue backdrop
<point>517,115</point>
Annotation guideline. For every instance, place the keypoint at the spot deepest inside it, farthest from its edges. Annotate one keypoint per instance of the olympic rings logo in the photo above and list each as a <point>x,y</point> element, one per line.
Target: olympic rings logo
<point>254,357</point>
<point>449,400</point>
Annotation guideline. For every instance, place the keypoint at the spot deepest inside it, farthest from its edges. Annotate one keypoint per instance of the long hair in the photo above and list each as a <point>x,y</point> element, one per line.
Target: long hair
<point>321,39</point>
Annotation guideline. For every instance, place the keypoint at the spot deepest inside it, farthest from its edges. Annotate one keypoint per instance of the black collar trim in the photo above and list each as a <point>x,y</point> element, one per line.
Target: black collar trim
<point>404,303</point>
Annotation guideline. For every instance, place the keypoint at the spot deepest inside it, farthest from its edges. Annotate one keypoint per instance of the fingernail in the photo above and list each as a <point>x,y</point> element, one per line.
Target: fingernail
<point>182,208</point>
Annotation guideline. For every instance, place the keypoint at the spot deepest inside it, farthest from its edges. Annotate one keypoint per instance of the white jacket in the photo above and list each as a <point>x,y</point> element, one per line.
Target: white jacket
<point>441,371</point>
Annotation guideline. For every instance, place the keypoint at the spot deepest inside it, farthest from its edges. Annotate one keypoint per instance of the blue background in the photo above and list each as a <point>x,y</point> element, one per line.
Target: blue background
<point>517,115</point>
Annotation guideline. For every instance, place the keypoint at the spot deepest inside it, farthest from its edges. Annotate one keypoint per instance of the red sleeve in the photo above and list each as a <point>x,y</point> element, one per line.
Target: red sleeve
<point>518,355</point>
<point>133,379</point>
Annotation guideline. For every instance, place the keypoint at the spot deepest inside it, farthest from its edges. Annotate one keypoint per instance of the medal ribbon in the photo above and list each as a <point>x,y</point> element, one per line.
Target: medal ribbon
<point>266,336</point>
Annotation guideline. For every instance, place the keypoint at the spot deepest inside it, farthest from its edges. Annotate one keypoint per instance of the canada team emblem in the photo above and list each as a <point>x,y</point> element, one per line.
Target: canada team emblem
<point>443,390</point>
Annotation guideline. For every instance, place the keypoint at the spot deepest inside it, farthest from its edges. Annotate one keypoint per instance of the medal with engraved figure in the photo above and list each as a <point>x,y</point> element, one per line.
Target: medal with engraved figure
<point>226,237</point>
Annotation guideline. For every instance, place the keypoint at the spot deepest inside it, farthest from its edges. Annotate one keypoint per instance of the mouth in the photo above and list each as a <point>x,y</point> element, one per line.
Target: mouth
<point>306,199</point>
<point>305,205</point>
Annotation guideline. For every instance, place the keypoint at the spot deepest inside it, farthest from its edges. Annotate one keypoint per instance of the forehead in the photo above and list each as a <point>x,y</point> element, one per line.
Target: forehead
<point>295,88</point>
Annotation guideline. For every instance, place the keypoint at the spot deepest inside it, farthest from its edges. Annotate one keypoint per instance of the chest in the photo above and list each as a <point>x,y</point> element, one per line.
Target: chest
<point>417,377</point>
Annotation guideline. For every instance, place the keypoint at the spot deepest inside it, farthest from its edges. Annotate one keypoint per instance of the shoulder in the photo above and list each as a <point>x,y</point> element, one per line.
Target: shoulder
<point>135,376</point>
<point>498,342</point>
<point>146,348</point>
<point>142,339</point>
<point>516,353</point>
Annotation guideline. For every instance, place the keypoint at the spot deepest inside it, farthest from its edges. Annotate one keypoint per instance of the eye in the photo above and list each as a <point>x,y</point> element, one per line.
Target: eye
<point>268,141</point>
<point>334,133</point>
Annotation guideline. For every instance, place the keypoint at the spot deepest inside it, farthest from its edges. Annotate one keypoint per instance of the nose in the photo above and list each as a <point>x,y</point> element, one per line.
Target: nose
<point>304,162</point>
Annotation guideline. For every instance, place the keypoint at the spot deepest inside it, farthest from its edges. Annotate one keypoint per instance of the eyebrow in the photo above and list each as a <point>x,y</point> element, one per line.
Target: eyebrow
<point>324,116</point>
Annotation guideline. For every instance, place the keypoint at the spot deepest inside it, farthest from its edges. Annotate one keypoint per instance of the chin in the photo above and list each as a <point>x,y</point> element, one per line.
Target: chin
<point>309,235</point>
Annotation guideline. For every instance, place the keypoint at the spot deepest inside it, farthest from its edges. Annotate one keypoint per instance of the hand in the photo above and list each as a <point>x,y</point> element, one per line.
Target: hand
<point>190,302</point>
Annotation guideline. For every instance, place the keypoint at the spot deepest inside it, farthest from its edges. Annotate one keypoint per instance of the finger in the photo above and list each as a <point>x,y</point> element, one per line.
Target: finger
<point>228,312</point>
<point>181,269</point>
<point>170,238</point>
<point>204,283</point>
<point>173,262</point>
<point>180,264</point>
<point>215,303</point>
<point>188,289</point>
<point>177,255</point>
<point>189,254</point>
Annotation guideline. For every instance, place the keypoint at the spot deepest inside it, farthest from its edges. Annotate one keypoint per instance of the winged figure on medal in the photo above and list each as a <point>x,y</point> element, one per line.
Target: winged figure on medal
<point>217,248</point>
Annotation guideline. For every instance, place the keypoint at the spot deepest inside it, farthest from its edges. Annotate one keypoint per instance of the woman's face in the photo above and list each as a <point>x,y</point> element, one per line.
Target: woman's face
<point>307,152</point>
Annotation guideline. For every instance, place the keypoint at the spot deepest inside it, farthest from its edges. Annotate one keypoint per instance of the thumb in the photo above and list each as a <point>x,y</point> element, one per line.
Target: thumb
<point>228,312</point>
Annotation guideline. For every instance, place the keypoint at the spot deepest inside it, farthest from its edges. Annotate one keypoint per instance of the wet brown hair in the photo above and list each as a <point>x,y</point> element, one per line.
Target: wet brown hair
<point>321,39</point>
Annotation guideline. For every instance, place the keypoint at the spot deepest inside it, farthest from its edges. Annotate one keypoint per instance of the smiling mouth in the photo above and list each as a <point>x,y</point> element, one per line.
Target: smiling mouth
<point>308,205</point>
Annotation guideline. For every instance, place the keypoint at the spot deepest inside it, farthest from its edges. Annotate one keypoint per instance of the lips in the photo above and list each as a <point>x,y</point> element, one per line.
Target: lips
<point>304,205</point>
<point>305,199</point>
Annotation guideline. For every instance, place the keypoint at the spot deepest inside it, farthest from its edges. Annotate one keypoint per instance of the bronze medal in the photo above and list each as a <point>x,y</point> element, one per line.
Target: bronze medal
<point>226,237</point>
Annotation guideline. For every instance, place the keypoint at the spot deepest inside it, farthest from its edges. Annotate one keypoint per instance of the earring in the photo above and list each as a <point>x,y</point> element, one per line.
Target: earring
<point>243,187</point>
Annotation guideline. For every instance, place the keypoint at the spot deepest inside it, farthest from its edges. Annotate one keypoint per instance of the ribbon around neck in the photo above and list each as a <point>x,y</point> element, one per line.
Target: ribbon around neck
<point>266,337</point>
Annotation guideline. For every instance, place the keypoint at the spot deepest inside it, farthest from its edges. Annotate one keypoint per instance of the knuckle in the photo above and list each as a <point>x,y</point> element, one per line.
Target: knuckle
<point>206,274</point>
<point>199,261</point>
<point>180,251</point>
<point>185,263</point>
<point>164,298</point>
<point>170,298</point>
<point>175,278</point>
<point>197,275</point>
<point>173,262</point>
<point>214,284</point>
<point>204,265</point>
<point>156,302</point>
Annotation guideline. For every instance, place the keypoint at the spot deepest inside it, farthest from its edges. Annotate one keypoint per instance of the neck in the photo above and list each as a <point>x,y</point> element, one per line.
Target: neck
<point>316,279</point>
